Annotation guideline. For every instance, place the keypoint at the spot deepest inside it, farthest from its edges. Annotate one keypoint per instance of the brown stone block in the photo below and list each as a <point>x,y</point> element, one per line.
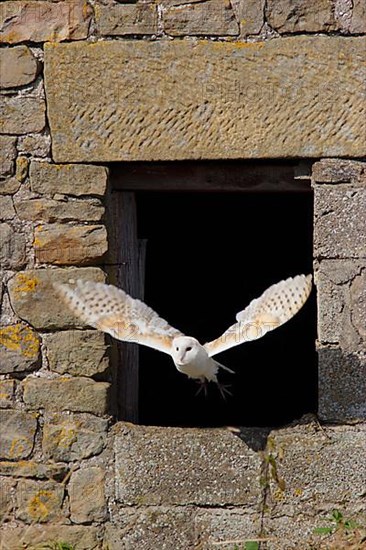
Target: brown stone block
<point>8,153</point>
<point>34,299</point>
<point>80,536</point>
<point>250,14</point>
<point>12,247</point>
<point>297,16</point>
<point>86,493</point>
<point>68,179</point>
<point>7,211</point>
<point>18,66</point>
<point>35,21</point>
<point>70,244</point>
<point>69,437</point>
<point>124,19</point>
<point>20,115</point>
<point>152,465</point>
<point>7,389</point>
<point>20,349</point>
<point>30,468</point>
<point>76,352</point>
<point>17,432</point>
<point>66,394</point>
<point>339,171</point>
<point>194,112</point>
<point>201,18</point>
<point>7,492</point>
<point>39,502</point>
<point>9,186</point>
<point>62,210</point>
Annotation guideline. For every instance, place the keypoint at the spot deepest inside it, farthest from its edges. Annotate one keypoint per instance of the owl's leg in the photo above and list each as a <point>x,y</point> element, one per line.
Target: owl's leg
<point>203,385</point>
<point>224,390</point>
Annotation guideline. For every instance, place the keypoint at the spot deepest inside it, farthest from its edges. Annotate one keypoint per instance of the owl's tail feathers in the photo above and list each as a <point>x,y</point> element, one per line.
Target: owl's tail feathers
<point>224,368</point>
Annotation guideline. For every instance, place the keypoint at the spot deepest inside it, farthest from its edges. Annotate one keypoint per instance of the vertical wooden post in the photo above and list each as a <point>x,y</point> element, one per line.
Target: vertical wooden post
<point>127,266</point>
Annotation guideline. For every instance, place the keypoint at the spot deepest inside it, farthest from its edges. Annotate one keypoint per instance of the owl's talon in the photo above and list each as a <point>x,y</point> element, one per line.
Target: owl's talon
<point>224,390</point>
<point>202,387</point>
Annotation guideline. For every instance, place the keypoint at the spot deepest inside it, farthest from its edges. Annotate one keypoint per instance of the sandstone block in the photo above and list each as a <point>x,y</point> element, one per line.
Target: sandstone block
<point>339,171</point>
<point>38,145</point>
<point>7,388</point>
<point>62,394</point>
<point>63,210</point>
<point>80,536</point>
<point>68,179</point>
<point>39,502</point>
<point>12,248</point>
<point>69,437</point>
<point>204,18</point>
<point>124,19</point>
<point>20,115</point>
<point>8,186</point>
<point>76,352</point>
<point>18,66</point>
<point>70,244</point>
<point>35,21</point>
<point>250,14</point>
<point>20,349</point>
<point>152,465</point>
<point>7,211</point>
<point>188,113</point>
<point>339,221</point>
<point>358,20</point>
<point>86,493</point>
<point>317,470</point>
<point>17,430</point>
<point>8,152</point>
<point>30,468</point>
<point>22,165</point>
<point>296,16</point>
<point>31,290</point>
<point>7,490</point>
<point>342,385</point>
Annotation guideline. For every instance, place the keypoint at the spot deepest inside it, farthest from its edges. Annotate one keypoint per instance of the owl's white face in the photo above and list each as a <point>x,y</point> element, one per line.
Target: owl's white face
<point>185,350</point>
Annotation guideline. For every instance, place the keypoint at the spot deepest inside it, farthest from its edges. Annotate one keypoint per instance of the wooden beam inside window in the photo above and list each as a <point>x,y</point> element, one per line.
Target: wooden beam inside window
<point>224,176</point>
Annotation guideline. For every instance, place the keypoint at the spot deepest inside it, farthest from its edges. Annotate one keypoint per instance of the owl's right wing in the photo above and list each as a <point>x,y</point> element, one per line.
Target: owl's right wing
<point>279,303</point>
<point>113,311</point>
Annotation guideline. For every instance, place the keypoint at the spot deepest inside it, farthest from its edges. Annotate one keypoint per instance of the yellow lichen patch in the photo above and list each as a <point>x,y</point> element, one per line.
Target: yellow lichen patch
<point>18,446</point>
<point>37,241</point>
<point>25,283</point>
<point>67,435</point>
<point>21,339</point>
<point>41,504</point>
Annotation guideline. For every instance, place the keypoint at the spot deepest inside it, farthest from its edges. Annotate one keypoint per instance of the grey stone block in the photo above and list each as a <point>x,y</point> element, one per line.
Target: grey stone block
<point>174,466</point>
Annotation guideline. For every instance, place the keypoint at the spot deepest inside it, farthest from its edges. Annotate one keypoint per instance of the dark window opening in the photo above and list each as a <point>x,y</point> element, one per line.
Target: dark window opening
<point>207,256</point>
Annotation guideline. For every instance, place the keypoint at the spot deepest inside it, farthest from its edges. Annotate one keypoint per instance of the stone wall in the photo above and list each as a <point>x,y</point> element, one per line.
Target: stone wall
<point>65,473</point>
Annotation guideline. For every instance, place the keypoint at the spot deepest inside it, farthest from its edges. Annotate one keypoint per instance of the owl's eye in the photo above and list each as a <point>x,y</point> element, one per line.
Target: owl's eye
<point>189,348</point>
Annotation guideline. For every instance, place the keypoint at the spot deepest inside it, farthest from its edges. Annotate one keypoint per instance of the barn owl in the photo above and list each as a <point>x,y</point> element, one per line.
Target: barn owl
<point>113,311</point>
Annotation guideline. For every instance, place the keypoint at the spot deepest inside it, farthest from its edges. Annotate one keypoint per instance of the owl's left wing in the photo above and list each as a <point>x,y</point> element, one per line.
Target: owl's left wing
<point>115,312</point>
<point>279,303</point>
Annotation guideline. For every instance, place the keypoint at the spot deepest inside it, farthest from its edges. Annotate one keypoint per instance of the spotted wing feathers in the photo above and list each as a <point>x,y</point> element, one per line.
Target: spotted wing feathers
<point>278,304</point>
<point>113,311</point>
